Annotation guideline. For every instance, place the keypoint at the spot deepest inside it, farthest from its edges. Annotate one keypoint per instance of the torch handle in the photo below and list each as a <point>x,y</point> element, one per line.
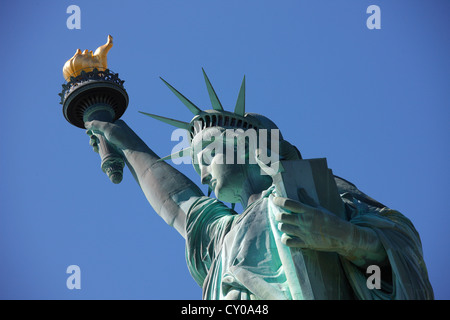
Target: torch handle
<point>112,162</point>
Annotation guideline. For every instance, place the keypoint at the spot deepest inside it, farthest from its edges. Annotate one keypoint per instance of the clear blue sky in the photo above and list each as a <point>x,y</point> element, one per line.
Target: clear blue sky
<point>375,103</point>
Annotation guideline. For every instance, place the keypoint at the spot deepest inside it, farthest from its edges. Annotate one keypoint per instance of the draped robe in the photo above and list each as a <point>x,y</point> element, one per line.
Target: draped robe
<point>234,256</point>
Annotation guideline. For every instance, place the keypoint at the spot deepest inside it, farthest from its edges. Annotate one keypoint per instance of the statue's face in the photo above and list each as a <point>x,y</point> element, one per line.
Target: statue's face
<point>215,167</point>
<point>226,180</point>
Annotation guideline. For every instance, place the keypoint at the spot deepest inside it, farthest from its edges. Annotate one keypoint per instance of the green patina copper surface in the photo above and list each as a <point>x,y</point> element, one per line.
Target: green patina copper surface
<point>304,233</point>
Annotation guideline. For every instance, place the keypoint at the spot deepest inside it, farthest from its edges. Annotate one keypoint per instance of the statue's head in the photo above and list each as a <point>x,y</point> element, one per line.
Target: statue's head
<point>228,147</point>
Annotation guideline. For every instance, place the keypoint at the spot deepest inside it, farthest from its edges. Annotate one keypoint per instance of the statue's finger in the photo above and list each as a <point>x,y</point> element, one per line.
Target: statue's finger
<point>95,126</point>
<point>93,141</point>
<point>286,217</point>
<point>293,242</point>
<point>93,136</point>
<point>289,229</point>
<point>292,205</point>
<point>91,133</point>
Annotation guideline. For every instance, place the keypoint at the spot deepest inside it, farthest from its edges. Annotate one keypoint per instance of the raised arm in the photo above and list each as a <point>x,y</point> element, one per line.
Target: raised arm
<point>168,191</point>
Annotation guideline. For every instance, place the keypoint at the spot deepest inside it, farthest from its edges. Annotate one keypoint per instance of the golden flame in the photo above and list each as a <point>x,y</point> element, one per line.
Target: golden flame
<point>87,61</point>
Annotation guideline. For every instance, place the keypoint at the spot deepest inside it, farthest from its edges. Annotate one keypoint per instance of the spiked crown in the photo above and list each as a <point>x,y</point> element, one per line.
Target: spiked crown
<point>216,117</point>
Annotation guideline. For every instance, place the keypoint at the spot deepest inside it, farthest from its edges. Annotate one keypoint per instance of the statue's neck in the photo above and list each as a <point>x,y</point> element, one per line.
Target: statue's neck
<point>254,186</point>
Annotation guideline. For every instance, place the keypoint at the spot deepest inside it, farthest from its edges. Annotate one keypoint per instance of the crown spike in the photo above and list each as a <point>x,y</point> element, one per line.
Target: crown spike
<point>240,103</point>
<point>212,94</point>
<point>182,153</point>
<point>192,107</point>
<point>172,122</point>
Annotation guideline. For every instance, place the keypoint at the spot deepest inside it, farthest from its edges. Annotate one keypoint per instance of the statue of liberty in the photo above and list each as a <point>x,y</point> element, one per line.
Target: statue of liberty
<point>304,233</point>
<point>236,256</point>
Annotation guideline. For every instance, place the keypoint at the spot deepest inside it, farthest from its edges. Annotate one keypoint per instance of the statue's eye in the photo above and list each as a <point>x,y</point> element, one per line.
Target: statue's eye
<point>207,156</point>
<point>204,158</point>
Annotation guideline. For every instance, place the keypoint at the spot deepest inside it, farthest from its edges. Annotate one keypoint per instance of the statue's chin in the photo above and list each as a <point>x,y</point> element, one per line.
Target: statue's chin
<point>226,195</point>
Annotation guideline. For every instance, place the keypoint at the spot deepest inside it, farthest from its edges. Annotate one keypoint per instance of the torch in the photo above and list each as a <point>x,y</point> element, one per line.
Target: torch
<point>93,92</point>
